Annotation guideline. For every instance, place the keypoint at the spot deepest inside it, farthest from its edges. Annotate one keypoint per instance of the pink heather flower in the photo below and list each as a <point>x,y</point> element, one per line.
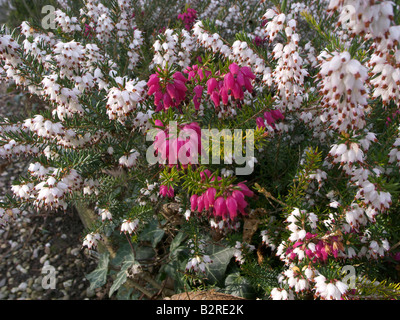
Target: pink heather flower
<point>225,206</point>
<point>220,208</point>
<point>172,148</point>
<point>193,202</point>
<point>205,173</point>
<point>232,206</point>
<point>188,18</point>
<point>245,190</point>
<point>210,194</point>
<point>212,84</point>
<point>197,73</point>
<point>241,202</point>
<point>168,95</point>
<point>270,117</point>
<point>258,41</point>
<point>260,122</point>
<point>198,93</point>
<point>200,203</point>
<point>234,84</point>
<point>166,191</point>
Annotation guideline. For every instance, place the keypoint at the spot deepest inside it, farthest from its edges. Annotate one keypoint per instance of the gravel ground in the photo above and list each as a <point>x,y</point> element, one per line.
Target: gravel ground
<point>38,240</point>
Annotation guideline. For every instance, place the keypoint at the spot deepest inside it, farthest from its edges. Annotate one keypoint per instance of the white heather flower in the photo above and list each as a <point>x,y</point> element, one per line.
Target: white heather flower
<point>279,294</point>
<point>198,263</point>
<point>66,23</point>
<point>240,249</point>
<point>69,56</point>
<point>187,214</point>
<point>345,94</point>
<point>173,47</point>
<point>129,160</point>
<point>122,102</point>
<point>333,290</point>
<point>208,41</point>
<point>266,240</point>
<point>8,50</point>
<point>129,225</point>
<point>105,214</point>
<point>91,240</point>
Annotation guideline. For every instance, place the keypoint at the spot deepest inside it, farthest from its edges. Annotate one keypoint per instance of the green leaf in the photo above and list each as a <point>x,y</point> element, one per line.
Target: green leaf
<point>118,282</point>
<point>152,233</point>
<point>98,277</point>
<point>121,277</point>
<point>175,244</point>
<point>221,256</point>
<point>239,286</point>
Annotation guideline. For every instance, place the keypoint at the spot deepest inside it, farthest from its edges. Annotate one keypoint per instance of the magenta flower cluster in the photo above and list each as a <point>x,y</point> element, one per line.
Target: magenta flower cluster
<point>188,18</point>
<point>168,93</point>
<point>234,84</point>
<point>270,117</point>
<point>197,75</point>
<point>316,250</point>
<point>228,205</point>
<point>167,191</point>
<point>181,147</point>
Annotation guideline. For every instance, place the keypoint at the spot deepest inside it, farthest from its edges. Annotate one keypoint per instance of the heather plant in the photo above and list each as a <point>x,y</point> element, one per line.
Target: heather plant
<point>250,147</point>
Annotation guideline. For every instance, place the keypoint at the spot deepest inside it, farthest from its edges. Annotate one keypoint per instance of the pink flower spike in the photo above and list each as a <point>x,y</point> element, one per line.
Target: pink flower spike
<point>158,123</point>
<point>239,197</point>
<point>193,202</point>
<point>260,122</point>
<point>220,207</point>
<point>211,85</point>
<point>205,200</point>
<point>198,90</point>
<point>170,192</point>
<point>153,79</point>
<point>179,76</point>
<point>232,207</point>
<point>234,68</point>
<point>180,85</point>
<point>167,101</point>
<point>246,191</point>
<point>309,235</point>
<point>237,91</point>
<point>298,243</point>
<point>248,85</point>
<point>215,98</point>
<point>229,82</point>
<point>247,72</point>
<point>200,203</point>
<point>163,190</point>
<point>171,91</point>
<point>240,79</point>
<point>224,95</point>
<point>269,118</point>
<point>166,191</point>
<point>277,115</point>
<point>210,195</point>
<point>154,88</point>
<point>205,172</point>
